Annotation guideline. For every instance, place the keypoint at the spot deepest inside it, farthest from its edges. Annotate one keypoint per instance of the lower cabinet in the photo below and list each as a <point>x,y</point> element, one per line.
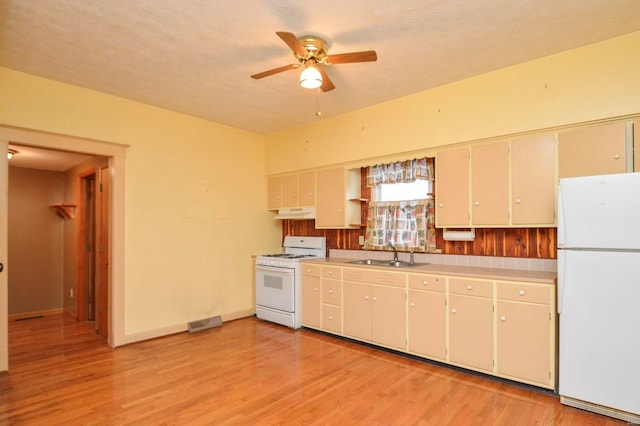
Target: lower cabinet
<point>375,313</point>
<point>503,328</point>
<point>427,316</point>
<point>311,296</point>
<point>525,333</point>
<point>471,323</point>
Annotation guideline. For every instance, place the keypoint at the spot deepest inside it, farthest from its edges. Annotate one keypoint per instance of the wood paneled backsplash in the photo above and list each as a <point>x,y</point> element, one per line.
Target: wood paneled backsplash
<point>537,243</point>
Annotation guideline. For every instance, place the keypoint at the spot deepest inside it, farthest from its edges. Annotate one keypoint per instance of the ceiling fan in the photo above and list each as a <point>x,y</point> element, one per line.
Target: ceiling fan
<point>311,52</point>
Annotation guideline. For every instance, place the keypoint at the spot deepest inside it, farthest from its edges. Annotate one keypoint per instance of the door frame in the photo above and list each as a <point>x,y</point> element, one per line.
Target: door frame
<point>116,154</point>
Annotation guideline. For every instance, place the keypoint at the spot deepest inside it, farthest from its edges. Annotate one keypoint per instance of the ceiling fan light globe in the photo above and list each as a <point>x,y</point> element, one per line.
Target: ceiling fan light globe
<point>310,78</point>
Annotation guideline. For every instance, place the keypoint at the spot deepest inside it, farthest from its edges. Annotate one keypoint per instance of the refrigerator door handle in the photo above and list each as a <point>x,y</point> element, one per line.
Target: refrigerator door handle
<point>560,230</point>
<point>561,279</point>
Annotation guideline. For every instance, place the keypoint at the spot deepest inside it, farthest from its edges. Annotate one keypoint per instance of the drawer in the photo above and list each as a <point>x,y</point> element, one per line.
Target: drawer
<point>332,292</point>
<point>428,282</point>
<point>334,272</point>
<point>332,318</point>
<point>311,270</point>
<point>523,292</point>
<point>374,276</point>
<point>469,287</point>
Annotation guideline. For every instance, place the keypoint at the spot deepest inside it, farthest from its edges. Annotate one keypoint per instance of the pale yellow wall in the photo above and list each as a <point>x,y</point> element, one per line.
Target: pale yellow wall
<point>591,83</point>
<point>35,240</point>
<point>194,199</point>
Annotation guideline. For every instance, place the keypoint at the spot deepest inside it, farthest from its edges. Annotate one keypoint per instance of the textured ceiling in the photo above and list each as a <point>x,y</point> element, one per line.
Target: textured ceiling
<point>196,56</point>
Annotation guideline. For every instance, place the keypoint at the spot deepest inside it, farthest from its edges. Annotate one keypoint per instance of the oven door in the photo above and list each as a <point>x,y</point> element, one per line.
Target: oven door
<point>275,288</point>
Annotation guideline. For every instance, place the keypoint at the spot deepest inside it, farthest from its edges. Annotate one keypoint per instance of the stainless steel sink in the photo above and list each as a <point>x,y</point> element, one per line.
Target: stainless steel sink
<point>389,263</point>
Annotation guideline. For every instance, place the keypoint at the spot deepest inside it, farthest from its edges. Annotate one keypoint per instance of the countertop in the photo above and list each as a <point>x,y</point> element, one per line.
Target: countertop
<point>452,270</point>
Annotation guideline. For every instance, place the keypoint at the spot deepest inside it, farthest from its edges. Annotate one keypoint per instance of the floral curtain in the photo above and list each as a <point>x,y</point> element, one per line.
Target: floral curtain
<point>400,172</point>
<point>408,225</point>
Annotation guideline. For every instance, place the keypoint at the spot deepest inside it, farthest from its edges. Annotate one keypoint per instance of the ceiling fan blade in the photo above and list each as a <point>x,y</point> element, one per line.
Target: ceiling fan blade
<point>275,71</point>
<point>344,58</point>
<point>293,42</point>
<point>327,84</point>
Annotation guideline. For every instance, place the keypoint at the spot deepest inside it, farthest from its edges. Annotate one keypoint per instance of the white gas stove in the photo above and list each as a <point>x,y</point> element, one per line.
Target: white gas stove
<point>278,279</point>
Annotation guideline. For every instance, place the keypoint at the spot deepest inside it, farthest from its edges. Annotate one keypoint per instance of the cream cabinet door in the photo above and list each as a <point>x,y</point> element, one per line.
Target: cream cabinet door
<point>307,189</point>
<point>595,150</point>
<point>356,310</point>
<point>533,181</point>
<point>427,317</point>
<point>490,184</point>
<point>274,193</point>
<point>389,316</point>
<point>338,198</point>
<point>471,332</point>
<point>290,191</point>
<point>311,301</point>
<point>524,342</point>
<point>452,188</point>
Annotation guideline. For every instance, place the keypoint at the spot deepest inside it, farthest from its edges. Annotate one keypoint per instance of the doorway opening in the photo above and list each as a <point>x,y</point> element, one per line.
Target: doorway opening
<point>93,249</point>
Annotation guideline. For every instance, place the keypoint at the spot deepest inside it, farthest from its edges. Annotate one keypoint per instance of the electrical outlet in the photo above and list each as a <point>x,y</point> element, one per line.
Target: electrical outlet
<point>361,240</point>
<point>71,293</point>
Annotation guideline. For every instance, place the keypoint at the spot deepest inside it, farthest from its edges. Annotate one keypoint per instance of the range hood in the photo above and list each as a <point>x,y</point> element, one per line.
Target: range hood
<point>296,213</point>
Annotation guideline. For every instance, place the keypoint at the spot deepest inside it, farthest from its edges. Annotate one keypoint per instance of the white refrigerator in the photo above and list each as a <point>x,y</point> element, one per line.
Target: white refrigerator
<point>599,294</point>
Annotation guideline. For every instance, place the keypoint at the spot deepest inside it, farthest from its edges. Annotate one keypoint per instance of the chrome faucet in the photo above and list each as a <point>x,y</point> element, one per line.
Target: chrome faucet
<point>395,252</point>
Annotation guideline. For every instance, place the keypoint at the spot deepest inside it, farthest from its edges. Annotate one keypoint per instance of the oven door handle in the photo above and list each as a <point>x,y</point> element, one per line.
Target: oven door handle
<point>277,269</point>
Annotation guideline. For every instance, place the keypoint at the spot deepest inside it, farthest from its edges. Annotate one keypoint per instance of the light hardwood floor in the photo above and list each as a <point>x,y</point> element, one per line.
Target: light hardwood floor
<point>248,372</point>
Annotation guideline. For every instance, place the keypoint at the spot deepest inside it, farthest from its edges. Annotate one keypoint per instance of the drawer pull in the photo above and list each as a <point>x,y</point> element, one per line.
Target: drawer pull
<point>503,318</point>
<point>477,203</point>
<point>521,292</point>
<point>330,272</point>
<point>330,291</point>
<point>375,299</point>
<point>469,287</point>
<point>315,289</point>
<point>453,311</point>
<point>412,304</point>
<point>366,298</point>
<point>616,157</point>
<point>425,282</point>
<point>330,317</point>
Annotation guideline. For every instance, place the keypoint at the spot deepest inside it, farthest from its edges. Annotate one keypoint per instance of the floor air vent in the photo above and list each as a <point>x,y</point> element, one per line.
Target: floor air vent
<point>204,324</point>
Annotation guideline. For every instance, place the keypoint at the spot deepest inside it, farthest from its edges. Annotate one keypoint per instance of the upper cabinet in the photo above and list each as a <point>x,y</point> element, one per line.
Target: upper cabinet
<point>291,191</point>
<point>338,198</point>
<point>274,193</point>
<point>595,150</point>
<point>490,184</point>
<point>452,188</point>
<point>533,181</point>
<point>502,184</point>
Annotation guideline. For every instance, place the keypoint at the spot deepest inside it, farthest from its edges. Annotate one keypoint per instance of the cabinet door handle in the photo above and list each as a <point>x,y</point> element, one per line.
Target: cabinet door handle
<point>425,282</point>
<point>330,291</point>
<point>521,292</point>
<point>315,289</point>
<point>453,311</point>
<point>330,317</point>
<point>375,299</point>
<point>330,272</point>
<point>477,203</point>
<point>441,205</point>
<point>517,200</point>
<point>366,298</point>
<point>469,287</point>
<point>412,304</point>
<point>503,318</point>
<point>616,157</point>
